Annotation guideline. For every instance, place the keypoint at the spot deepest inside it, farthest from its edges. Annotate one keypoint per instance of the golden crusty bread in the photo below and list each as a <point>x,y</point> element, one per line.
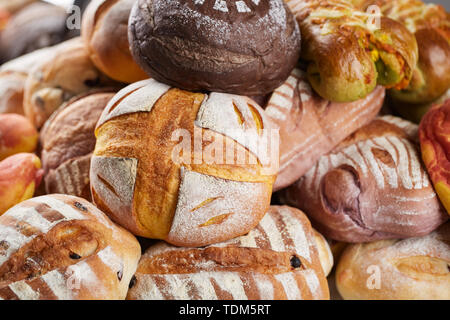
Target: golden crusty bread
<point>414,268</point>
<point>277,260</point>
<point>137,180</point>
<point>67,72</point>
<point>326,256</point>
<point>63,247</point>
<point>105,33</point>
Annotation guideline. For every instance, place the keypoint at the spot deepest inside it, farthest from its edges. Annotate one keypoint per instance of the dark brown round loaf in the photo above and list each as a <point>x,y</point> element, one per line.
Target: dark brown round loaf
<point>241,47</point>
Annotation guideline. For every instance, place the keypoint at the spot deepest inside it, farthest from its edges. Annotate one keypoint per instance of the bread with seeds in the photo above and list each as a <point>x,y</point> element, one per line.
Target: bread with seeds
<point>277,260</point>
<point>60,247</point>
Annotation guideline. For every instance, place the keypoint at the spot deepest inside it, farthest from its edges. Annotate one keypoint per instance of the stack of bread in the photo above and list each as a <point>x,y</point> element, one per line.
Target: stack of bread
<point>228,150</point>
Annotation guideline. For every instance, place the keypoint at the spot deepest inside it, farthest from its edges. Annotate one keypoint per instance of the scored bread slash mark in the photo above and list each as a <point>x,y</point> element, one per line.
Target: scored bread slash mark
<point>257,118</point>
<point>216,220</point>
<point>241,119</point>
<point>204,203</point>
<point>107,185</point>
<point>23,291</point>
<point>48,213</point>
<point>66,210</point>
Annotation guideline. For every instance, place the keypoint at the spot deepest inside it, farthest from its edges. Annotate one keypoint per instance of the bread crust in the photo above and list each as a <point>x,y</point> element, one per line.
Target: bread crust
<point>62,247</point>
<point>311,126</point>
<point>68,140</point>
<point>192,202</point>
<point>414,268</point>
<point>372,186</point>
<point>105,32</point>
<point>277,260</point>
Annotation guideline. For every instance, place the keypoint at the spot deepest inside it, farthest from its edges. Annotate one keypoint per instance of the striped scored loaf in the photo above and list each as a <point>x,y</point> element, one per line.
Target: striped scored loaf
<point>62,247</point>
<point>372,186</point>
<point>277,260</point>
<point>311,126</point>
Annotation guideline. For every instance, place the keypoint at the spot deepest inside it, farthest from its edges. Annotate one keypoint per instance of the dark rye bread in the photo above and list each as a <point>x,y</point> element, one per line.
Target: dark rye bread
<point>61,247</point>
<point>276,260</point>
<point>241,47</point>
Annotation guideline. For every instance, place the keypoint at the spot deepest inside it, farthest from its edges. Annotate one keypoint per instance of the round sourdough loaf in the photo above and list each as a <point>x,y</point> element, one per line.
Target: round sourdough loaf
<point>414,268</point>
<point>63,247</point>
<point>241,47</point>
<point>278,260</point>
<point>311,126</point>
<point>372,186</point>
<point>183,167</point>
<point>105,33</point>
<point>68,140</point>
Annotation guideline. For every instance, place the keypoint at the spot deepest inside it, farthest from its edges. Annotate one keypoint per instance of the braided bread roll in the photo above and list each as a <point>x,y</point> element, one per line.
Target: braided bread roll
<point>276,260</point>
<point>414,268</point>
<point>311,126</point>
<point>62,247</point>
<point>372,186</point>
<point>154,173</point>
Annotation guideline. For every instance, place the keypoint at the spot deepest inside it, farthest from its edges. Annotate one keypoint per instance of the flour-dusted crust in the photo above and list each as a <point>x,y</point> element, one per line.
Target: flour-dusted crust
<point>114,180</point>
<point>372,186</point>
<point>414,268</point>
<point>62,247</point>
<point>242,47</point>
<point>137,181</point>
<point>238,117</point>
<point>311,126</point>
<point>144,95</point>
<point>211,209</point>
<point>260,265</point>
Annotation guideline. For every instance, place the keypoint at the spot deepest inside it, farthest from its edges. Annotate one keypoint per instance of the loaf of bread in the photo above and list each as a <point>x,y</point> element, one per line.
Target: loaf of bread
<point>67,72</point>
<point>13,76</point>
<point>311,126</point>
<point>430,25</point>
<point>36,26</point>
<point>184,192</point>
<point>372,186</point>
<point>414,268</point>
<point>105,33</point>
<point>325,254</point>
<point>347,55</point>
<point>62,247</point>
<point>277,260</point>
<point>68,140</point>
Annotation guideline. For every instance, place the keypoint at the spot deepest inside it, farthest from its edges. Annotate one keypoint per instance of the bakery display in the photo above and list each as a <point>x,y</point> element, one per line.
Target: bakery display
<point>434,143</point>
<point>346,55</point>
<point>66,73</point>
<point>224,150</point>
<point>68,140</point>
<point>36,26</point>
<point>20,175</point>
<point>409,269</point>
<point>61,247</point>
<point>17,134</point>
<point>372,186</point>
<point>199,198</point>
<point>105,32</point>
<point>311,126</point>
<point>278,260</point>
<point>237,47</point>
